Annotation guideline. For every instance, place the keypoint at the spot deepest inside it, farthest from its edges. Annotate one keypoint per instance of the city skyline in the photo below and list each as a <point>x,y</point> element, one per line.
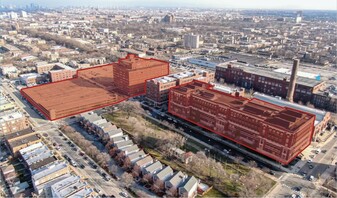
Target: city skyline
<point>229,4</point>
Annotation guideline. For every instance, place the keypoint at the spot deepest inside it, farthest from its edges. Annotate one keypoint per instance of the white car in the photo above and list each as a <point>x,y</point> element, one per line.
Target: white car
<point>124,194</point>
<point>226,151</point>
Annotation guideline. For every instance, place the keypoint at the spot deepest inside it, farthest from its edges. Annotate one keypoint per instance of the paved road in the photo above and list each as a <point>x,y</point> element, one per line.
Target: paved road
<point>92,175</point>
<point>322,160</point>
<point>102,148</point>
<point>35,119</point>
<point>41,125</point>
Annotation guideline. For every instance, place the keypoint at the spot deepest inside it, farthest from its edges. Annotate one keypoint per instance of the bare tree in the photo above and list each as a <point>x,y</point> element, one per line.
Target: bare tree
<point>127,180</point>
<point>113,168</point>
<point>238,159</point>
<point>252,164</point>
<point>131,106</point>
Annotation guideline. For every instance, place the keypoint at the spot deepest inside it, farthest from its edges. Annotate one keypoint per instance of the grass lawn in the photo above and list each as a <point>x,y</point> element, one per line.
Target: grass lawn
<point>213,193</point>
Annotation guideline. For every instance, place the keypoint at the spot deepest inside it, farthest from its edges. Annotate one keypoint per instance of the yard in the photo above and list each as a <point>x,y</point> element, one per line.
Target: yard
<point>228,178</point>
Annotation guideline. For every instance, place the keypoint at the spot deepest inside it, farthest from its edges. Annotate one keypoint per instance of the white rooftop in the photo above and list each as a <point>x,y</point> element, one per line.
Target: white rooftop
<point>283,103</point>
<point>10,116</point>
<point>31,147</point>
<point>45,171</point>
<point>299,73</point>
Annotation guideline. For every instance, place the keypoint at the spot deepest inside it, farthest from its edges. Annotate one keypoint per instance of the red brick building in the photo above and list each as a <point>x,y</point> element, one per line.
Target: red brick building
<point>157,89</point>
<point>132,72</point>
<point>280,133</point>
<point>268,82</point>
<point>56,71</point>
<point>95,87</point>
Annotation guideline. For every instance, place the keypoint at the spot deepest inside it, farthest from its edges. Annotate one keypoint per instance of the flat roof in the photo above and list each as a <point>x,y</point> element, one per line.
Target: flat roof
<point>77,93</point>
<point>42,163</point>
<point>278,116</point>
<point>25,140</point>
<point>276,75</point>
<point>49,170</point>
<point>92,88</point>
<point>320,115</point>
<point>19,133</point>
<point>8,116</point>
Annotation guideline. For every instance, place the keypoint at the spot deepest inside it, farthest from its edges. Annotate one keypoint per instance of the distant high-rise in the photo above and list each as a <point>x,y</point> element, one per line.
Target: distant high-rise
<point>191,41</point>
<point>169,18</point>
<point>13,15</point>
<point>23,14</point>
<point>298,18</point>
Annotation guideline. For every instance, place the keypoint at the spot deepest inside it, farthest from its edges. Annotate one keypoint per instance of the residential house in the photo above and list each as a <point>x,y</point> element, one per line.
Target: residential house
<point>103,128</point>
<point>119,139</point>
<point>182,155</point>
<point>189,188</point>
<point>150,170</point>
<point>141,164</point>
<point>172,184</point>
<point>113,133</point>
<point>132,158</point>
<point>127,151</point>
<point>118,146</point>
<point>160,178</point>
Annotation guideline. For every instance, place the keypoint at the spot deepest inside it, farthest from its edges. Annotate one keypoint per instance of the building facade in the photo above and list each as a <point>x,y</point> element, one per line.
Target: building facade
<point>280,133</point>
<point>275,84</point>
<point>157,89</point>
<point>322,118</point>
<point>191,41</point>
<point>133,71</point>
<point>11,122</point>
<point>56,71</point>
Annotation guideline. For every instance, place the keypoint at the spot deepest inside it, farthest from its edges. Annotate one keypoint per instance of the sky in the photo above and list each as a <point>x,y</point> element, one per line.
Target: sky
<point>243,4</point>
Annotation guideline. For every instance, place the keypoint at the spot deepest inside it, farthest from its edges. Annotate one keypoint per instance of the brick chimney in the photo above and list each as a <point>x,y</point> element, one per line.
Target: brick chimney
<point>292,83</point>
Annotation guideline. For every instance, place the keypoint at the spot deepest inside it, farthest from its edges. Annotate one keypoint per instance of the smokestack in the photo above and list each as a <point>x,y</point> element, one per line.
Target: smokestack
<point>292,83</point>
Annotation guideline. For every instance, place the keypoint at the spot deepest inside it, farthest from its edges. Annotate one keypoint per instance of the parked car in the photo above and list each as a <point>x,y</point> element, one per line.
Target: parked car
<point>124,194</point>
<point>97,190</point>
<point>271,172</point>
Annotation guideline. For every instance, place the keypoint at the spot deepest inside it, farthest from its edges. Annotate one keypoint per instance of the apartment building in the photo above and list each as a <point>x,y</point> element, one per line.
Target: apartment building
<point>56,71</point>
<point>72,186</point>
<point>16,145</point>
<point>47,174</point>
<point>157,89</point>
<point>280,133</point>
<point>12,121</point>
<point>191,41</point>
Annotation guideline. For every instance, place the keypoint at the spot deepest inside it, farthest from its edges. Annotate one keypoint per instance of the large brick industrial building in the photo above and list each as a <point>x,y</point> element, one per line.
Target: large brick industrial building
<point>280,133</point>
<point>133,71</point>
<point>157,89</point>
<point>95,87</point>
<point>276,84</point>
